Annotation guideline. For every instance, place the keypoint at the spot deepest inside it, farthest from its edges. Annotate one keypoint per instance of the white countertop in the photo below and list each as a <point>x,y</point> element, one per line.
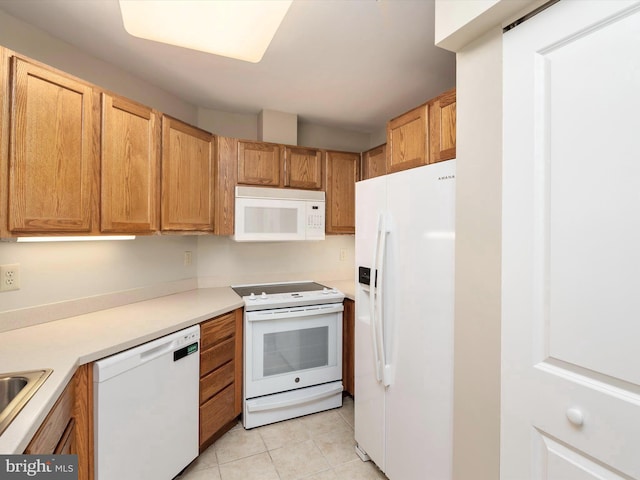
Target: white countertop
<point>63,345</point>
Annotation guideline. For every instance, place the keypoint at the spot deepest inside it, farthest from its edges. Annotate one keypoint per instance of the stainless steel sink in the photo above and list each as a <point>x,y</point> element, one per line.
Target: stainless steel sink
<point>16,389</point>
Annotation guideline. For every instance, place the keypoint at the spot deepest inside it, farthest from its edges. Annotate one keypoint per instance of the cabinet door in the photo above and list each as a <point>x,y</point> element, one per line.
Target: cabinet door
<point>374,162</point>
<point>53,434</point>
<point>442,131</point>
<point>130,167</point>
<point>407,140</point>
<point>53,155</point>
<point>187,177</point>
<point>342,173</point>
<point>259,163</point>
<point>302,168</point>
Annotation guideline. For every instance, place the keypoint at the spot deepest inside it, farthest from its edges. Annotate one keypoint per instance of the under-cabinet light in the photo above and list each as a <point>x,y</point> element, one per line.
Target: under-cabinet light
<point>75,239</point>
<point>237,29</point>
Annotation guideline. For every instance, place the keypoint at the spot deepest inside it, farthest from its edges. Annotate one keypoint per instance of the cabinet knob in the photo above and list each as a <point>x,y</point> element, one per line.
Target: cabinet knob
<point>575,416</point>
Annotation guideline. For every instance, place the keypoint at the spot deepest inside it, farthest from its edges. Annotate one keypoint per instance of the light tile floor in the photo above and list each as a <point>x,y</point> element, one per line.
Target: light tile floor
<point>315,447</point>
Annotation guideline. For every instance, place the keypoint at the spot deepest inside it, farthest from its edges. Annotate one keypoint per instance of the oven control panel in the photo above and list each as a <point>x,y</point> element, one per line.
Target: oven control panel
<point>261,300</point>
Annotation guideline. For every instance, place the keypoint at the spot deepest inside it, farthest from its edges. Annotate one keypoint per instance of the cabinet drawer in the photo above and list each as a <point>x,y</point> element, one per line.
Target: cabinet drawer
<point>216,381</point>
<point>217,329</point>
<point>52,431</point>
<point>213,357</point>
<point>216,413</point>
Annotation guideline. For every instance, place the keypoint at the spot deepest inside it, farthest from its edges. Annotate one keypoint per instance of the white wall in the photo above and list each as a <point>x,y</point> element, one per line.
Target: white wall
<point>378,137</point>
<point>478,260</point>
<point>227,124</point>
<point>39,45</point>
<point>459,22</point>
<point>473,28</point>
<point>62,279</point>
<point>319,136</point>
<point>221,261</point>
<point>246,126</point>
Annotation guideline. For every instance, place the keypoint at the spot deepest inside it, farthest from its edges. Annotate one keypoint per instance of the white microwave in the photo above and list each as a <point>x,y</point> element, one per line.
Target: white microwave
<point>278,214</point>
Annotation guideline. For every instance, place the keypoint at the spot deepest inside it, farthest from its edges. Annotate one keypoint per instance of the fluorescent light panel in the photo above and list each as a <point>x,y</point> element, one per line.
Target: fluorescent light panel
<point>241,29</point>
<point>75,239</point>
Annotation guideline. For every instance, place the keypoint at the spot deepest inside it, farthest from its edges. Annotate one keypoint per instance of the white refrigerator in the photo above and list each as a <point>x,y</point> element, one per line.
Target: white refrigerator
<point>404,321</point>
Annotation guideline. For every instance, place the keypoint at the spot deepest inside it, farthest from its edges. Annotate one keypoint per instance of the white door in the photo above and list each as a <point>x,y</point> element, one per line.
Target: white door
<point>571,244</point>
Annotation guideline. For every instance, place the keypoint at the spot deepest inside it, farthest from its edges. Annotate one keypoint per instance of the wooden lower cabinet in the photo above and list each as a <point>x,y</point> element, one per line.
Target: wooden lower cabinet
<point>68,428</point>
<point>220,375</point>
<point>348,338</point>
<point>215,414</point>
<point>57,431</point>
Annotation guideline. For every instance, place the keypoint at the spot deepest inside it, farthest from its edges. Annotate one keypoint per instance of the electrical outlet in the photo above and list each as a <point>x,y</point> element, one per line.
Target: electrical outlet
<point>187,258</point>
<point>343,254</point>
<point>9,277</point>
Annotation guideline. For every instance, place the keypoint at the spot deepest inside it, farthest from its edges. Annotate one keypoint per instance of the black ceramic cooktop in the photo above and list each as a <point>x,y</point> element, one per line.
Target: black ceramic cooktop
<point>247,290</point>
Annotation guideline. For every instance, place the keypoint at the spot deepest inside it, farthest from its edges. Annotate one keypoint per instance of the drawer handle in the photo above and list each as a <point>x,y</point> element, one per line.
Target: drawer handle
<point>575,416</point>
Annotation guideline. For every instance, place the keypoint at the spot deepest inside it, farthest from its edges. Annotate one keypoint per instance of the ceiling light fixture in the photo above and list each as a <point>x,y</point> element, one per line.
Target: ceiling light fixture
<point>241,29</point>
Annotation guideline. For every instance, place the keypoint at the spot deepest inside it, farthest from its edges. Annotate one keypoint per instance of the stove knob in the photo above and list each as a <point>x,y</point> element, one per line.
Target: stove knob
<point>264,295</point>
<point>252,296</point>
<point>325,291</point>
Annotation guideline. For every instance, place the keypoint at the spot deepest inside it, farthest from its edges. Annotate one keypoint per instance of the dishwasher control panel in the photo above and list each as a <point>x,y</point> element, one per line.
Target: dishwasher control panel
<point>190,342</point>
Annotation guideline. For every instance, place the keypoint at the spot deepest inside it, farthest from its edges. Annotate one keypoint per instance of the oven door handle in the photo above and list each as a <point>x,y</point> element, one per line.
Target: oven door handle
<point>267,315</point>
<point>261,407</point>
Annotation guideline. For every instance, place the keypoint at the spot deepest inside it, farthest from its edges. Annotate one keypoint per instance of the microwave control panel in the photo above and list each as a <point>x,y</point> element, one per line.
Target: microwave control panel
<point>315,220</point>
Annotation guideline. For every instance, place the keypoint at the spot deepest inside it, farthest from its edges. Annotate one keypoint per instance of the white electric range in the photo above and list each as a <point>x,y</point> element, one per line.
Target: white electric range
<point>292,350</point>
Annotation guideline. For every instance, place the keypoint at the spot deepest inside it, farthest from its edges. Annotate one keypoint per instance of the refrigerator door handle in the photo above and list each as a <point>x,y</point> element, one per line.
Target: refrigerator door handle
<point>373,294</point>
<point>384,226</point>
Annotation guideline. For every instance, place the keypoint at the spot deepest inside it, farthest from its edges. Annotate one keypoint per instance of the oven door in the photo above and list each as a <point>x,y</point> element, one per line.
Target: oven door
<point>292,348</point>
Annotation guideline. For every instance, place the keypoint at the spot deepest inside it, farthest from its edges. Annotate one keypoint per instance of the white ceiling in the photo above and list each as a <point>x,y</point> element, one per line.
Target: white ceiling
<point>351,64</point>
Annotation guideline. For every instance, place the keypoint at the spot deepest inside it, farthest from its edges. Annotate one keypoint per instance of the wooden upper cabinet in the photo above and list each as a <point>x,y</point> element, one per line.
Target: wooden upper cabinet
<point>408,140</point>
<point>130,167</point>
<point>442,132</point>
<point>259,163</point>
<point>374,162</point>
<point>342,174</point>
<point>53,163</point>
<point>187,177</point>
<point>303,168</point>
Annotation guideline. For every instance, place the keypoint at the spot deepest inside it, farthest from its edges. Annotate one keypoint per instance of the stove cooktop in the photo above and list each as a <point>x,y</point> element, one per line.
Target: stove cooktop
<point>271,288</point>
<point>288,294</point>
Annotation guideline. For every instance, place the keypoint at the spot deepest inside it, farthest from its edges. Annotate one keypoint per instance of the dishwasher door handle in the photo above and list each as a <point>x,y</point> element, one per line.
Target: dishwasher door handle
<point>155,352</point>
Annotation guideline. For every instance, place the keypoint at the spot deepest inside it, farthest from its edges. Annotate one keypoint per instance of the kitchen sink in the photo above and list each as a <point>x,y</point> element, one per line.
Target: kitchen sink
<point>16,389</point>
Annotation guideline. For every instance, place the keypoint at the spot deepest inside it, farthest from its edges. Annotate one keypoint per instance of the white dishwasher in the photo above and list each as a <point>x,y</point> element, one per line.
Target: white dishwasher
<point>146,409</point>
